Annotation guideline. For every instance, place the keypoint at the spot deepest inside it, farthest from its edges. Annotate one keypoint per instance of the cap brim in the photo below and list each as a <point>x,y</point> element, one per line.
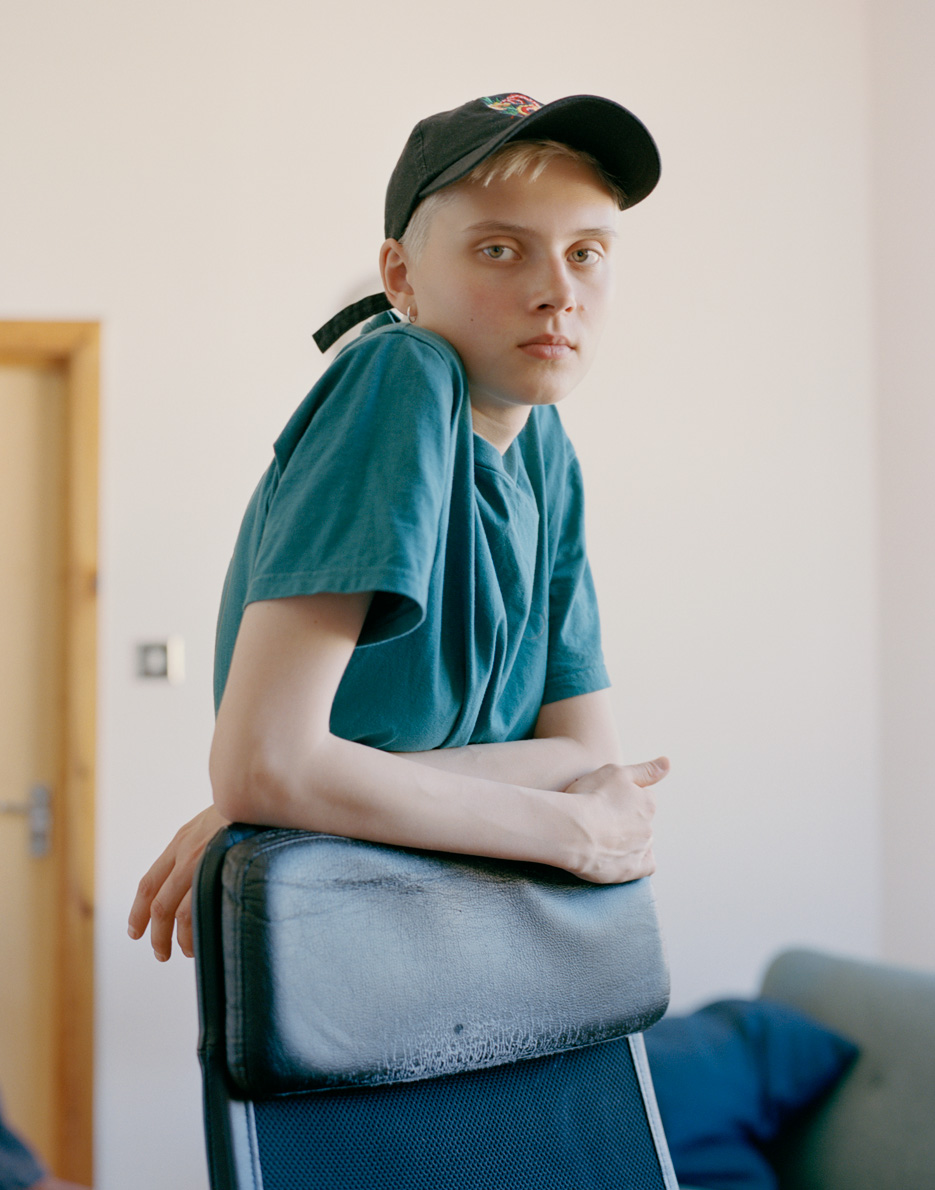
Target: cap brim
<point>612,135</point>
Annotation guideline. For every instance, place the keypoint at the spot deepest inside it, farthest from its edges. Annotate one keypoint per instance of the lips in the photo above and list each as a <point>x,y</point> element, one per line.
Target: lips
<point>547,347</point>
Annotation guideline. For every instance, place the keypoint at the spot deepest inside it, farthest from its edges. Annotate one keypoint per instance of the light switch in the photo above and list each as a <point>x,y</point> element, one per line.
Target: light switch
<point>163,659</point>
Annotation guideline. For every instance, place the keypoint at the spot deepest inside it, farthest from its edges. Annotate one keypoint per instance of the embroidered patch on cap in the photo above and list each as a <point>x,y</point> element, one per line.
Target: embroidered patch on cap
<point>512,105</point>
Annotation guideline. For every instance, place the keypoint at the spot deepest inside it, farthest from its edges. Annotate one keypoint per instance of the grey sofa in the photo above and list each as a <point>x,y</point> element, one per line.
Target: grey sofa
<point>876,1131</point>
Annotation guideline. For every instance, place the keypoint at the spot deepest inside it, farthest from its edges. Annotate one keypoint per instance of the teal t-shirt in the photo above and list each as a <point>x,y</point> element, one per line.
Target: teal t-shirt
<point>484,607</point>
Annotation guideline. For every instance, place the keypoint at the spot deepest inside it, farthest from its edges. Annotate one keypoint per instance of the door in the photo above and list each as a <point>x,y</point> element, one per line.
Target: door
<point>46,754</point>
<point>31,645</point>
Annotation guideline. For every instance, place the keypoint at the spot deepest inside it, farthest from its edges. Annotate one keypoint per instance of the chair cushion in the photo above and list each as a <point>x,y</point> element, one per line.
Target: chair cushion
<point>355,964</point>
<point>730,1077</point>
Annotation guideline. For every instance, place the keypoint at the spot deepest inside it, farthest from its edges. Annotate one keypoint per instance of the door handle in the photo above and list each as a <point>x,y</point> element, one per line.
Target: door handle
<point>38,809</point>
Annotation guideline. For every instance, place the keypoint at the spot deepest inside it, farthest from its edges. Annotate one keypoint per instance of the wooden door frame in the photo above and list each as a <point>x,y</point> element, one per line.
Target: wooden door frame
<point>74,349</point>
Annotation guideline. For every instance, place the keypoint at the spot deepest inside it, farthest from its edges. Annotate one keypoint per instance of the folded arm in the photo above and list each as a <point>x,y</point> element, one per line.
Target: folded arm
<point>275,762</point>
<point>572,737</point>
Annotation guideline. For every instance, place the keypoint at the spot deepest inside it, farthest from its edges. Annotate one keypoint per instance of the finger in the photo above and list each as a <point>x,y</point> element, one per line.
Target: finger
<point>183,925</point>
<point>649,772</point>
<point>147,889</point>
<point>162,915</point>
<point>173,901</point>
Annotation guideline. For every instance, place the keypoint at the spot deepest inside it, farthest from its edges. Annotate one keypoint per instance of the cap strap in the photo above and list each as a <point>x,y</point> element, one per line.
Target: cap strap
<point>335,327</point>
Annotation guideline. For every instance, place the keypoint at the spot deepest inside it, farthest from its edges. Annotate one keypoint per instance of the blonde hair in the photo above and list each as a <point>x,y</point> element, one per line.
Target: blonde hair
<point>514,159</point>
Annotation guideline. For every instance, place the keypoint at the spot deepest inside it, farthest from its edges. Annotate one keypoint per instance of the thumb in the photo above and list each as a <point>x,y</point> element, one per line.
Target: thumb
<point>649,772</point>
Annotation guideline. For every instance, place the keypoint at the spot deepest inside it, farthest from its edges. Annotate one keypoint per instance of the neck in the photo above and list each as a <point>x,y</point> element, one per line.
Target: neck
<point>499,426</point>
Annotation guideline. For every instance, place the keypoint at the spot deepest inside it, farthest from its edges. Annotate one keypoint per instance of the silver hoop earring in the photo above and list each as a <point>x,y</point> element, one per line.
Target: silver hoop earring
<point>409,314</point>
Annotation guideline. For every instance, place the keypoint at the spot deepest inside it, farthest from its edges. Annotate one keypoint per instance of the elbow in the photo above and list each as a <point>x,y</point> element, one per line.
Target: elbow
<point>229,801</point>
<point>247,787</point>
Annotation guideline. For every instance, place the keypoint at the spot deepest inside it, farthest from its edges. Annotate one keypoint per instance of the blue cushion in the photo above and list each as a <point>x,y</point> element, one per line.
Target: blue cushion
<point>729,1077</point>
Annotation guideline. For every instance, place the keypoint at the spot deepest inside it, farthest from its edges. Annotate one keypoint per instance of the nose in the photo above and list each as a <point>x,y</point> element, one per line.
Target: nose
<point>555,290</point>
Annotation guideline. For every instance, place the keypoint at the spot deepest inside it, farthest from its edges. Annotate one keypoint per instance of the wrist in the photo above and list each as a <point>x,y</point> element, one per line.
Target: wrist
<point>557,838</point>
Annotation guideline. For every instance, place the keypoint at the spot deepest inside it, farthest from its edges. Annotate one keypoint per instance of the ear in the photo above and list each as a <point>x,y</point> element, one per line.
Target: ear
<point>394,269</point>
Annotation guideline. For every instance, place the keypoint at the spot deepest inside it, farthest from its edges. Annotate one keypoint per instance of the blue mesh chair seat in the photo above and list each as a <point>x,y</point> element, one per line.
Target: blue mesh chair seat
<point>373,1017</point>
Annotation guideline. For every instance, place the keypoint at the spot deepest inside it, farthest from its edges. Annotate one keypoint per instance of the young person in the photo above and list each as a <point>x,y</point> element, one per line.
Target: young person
<point>408,646</point>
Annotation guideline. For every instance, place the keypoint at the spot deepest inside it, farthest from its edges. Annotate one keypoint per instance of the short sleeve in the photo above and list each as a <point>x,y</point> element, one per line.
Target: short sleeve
<point>575,658</point>
<point>364,478</point>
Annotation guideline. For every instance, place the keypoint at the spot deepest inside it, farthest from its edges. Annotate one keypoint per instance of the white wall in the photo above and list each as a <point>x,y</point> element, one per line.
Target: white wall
<point>728,444</point>
<point>904,36</point>
<point>207,179</point>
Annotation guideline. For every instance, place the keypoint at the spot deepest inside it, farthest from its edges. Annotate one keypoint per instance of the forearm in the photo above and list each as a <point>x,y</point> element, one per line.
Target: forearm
<point>345,788</point>
<point>551,763</point>
<point>275,762</point>
<point>573,737</point>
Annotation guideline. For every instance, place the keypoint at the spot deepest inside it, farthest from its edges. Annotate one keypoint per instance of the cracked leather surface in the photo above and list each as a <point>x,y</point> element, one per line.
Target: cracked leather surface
<point>355,964</point>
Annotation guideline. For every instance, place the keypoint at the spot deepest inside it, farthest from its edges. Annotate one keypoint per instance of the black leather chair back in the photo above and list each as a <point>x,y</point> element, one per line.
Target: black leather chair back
<point>374,1018</point>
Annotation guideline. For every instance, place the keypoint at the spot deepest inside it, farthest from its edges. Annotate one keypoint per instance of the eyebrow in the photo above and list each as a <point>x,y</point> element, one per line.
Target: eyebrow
<point>583,233</point>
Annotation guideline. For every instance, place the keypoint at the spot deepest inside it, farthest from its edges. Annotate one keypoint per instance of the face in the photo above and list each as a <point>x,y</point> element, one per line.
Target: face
<point>517,276</point>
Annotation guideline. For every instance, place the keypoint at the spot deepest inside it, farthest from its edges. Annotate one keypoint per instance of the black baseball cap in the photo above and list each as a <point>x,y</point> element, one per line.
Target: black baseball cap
<point>444,148</point>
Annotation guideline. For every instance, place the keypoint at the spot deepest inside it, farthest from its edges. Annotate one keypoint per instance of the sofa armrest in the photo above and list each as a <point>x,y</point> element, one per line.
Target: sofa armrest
<point>875,1129</point>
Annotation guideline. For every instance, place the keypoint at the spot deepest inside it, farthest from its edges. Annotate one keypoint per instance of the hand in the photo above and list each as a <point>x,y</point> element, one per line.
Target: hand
<point>615,814</point>
<point>164,896</point>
